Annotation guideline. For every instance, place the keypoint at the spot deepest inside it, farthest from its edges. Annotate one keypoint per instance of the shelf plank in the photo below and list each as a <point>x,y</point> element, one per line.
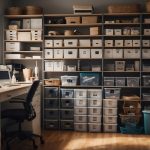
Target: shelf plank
<point>40,41</point>
<point>71,36</point>
<point>24,59</point>
<point>72,59</point>
<point>71,71</point>
<point>91,47</point>
<point>23,16</point>
<point>23,52</point>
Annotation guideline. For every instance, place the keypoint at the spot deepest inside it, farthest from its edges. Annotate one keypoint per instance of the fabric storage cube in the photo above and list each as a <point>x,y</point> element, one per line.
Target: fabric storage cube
<point>108,53</point>
<point>136,43</point>
<point>112,93</point>
<point>145,43</point>
<point>96,42</point>
<point>80,110</point>
<point>110,128</point>
<point>108,43</point>
<point>91,79</point>
<point>51,124</point>
<point>128,43</point>
<point>94,127</point>
<point>66,114</point>
<point>117,53</point>
<point>109,31</point>
<point>67,125</point>
<point>51,114</point>
<point>89,19</point>
<point>118,43</point>
<point>96,53</point>
<point>94,102</point>
<point>72,20</point>
<point>146,31</point>
<point>13,46</point>
<point>133,81</point>
<point>70,42</point>
<point>109,81</point>
<point>58,53</point>
<point>49,66</point>
<point>67,103</point>
<point>80,118</point>
<point>51,103</point>
<point>84,53</point>
<point>145,53</point>
<point>58,65</point>
<point>48,53</point>
<point>110,111</point>
<point>111,103</point>
<point>94,118</point>
<point>58,43</point>
<point>146,80</point>
<point>80,102</point>
<point>51,92</point>
<point>120,81</point>
<point>84,42</point>
<point>48,43</point>
<point>70,53</point>
<point>94,110</point>
<point>80,93</point>
<point>24,36</point>
<point>117,32</point>
<point>80,127</point>
<point>11,35</point>
<point>110,119</point>
<point>67,93</point>
<point>69,80</point>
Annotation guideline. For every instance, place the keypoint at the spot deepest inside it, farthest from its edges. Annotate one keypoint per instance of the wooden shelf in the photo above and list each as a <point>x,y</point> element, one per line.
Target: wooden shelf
<point>72,36</point>
<point>23,16</point>
<point>24,59</point>
<point>72,59</point>
<point>40,41</point>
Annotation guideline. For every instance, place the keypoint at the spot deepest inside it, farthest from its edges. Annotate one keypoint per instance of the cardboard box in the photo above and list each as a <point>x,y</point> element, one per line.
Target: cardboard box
<point>131,53</point>
<point>94,31</point>
<point>145,43</point>
<point>49,53</point>
<point>96,53</point>
<point>117,32</point>
<point>48,43</point>
<point>84,53</point>
<point>58,53</point>
<point>13,46</point>
<point>108,43</point>
<point>72,20</point>
<point>96,42</point>
<point>84,42</point>
<point>89,19</point>
<point>70,42</point>
<point>36,23</point>
<point>58,43</point>
<point>108,53</point>
<point>145,53</point>
<point>24,36</point>
<point>117,53</point>
<point>146,31</point>
<point>128,43</point>
<point>109,31</point>
<point>118,43</point>
<point>136,43</point>
<point>70,53</point>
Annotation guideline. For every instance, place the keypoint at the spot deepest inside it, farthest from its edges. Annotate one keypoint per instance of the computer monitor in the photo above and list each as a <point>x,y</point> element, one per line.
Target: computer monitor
<point>5,77</point>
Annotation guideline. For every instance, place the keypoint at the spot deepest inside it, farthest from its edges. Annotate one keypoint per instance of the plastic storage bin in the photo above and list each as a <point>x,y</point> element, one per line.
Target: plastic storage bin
<point>67,93</point>
<point>109,81</point>
<point>69,80</point>
<point>112,93</point>
<point>95,93</point>
<point>94,127</point>
<point>80,127</point>
<point>146,80</point>
<point>80,93</point>
<point>110,103</point>
<point>80,118</point>
<point>146,121</point>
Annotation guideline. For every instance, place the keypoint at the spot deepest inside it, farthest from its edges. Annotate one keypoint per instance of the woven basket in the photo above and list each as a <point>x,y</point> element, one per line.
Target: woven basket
<point>148,6</point>
<point>32,10</point>
<point>14,11</point>
<point>124,8</point>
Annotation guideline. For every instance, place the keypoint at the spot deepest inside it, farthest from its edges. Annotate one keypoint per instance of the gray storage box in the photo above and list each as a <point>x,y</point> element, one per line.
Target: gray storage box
<point>80,127</point>
<point>80,118</point>
<point>94,127</point>
<point>51,103</point>
<point>51,114</point>
<point>51,92</point>
<point>120,81</point>
<point>94,118</point>
<point>51,124</point>
<point>94,110</point>
<point>67,103</point>
<point>146,80</point>
<point>67,125</point>
<point>67,93</point>
<point>112,93</point>
<point>133,81</point>
<point>67,114</point>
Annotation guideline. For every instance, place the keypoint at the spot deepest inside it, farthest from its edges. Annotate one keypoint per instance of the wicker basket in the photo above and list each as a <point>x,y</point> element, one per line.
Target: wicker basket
<point>32,10</point>
<point>14,11</point>
<point>52,82</point>
<point>124,8</point>
<point>148,6</point>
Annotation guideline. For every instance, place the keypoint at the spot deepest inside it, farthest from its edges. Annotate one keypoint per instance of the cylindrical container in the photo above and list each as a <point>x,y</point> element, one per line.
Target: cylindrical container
<point>27,73</point>
<point>14,11</point>
<point>146,121</point>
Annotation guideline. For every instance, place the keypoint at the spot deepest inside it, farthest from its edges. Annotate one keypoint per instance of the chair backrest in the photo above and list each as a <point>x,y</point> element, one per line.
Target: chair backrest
<point>28,104</point>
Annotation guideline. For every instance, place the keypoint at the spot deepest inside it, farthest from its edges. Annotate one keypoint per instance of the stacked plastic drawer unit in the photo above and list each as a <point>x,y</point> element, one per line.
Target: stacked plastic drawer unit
<point>110,109</point>
<point>51,107</point>
<point>66,111</point>
<point>94,110</point>
<point>80,109</point>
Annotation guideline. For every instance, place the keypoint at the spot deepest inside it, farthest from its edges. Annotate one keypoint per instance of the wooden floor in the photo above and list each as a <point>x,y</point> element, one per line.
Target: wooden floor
<point>70,140</point>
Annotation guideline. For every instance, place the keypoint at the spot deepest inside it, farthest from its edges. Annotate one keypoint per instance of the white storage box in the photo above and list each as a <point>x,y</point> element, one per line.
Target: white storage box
<point>58,53</point>
<point>145,43</point>
<point>110,119</point>
<point>84,53</point>
<point>109,31</point>
<point>48,43</point>
<point>94,102</point>
<point>84,42</point>
<point>24,36</point>
<point>96,53</point>
<point>146,31</point>
<point>133,81</point>
<point>110,111</point>
<point>117,53</point>
<point>94,110</point>
<point>96,43</point>
<point>11,35</point>
<point>80,102</point>
<point>58,65</point>
<point>118,43</point>
<point>13,46</point>
<point>36,35</point>
<point>108,43</point>
<point>80,93</point>
<point>95,93</point>
<point>145,53</point>
<point>110,103</point>
<point>132,53</point>
<point>48,53</point>
<point>111,128</point>
<point>14,56</point>
<point>70,53</point>
<point>80,127</point>
<point>94,127</point>
<point>69,80</point>
<point>80,110</point>
<point>36,23</point>
<point>94,118</point>
<point>80,118</point>
<point>108,53</point>
<point>136,43</point>
<point>58,43</point>
<point>117,32</point>
<point>112,93</point>
<point>49,66</point>
<point>70,42</point>
<point>128,43</point>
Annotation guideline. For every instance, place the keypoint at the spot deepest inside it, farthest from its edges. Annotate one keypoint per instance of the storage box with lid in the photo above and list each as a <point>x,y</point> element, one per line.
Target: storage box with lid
<point>117,32</point>
<point>110,119</point>
<point>48,53</point>
<point>70,42</point>
<point>109,31</point>
<point>91,79</point>
<point>58,43</point>
<point>80,110</point>
<point>11,35</point>
<point>70,53</point>
<point>80,93</point>
<point>36,23</point>
<point>119,65</point>
<point>133,81</point>
<point>89,19</point>
<point>118,43</point>
<point>24,36</point>
<point>146,80</point>
<point>94,127</point>
<point>80,118</point>
<point>48,43</point>
<point>94,102</point>
<point>109,81</point>
<point>67,124</point>
<point>94,110</point>
<point>117,53</point>
<point>58,65</point>
<point>120,81</point>
<point>110,128</point>
<point>111,103</point>
<point>67,103</point>
<point>128,43</point>
<point>58,53</point>
<point>51,114</point>
<point>145,43</point>
<point>94,118</point>
<point>14,56</point>
<point>96,42</point>
<point>51,103</point>
<point>94,31</point>
<point>36,35</point>
<point>109,111</point>
<point>83,9</point>
<point>136,43</point>
<point>84,53</point>
<point>49,66</point>
<point>108,43</point>
<point>145,53</point>
<point>84,42</point>
<point>96,53</point>
<point>51,92</point>
<point>52,82</point>
<point>80,127</point>
<point>108,53</point>
<point>95,93</point>
<point>72,20</point>
<point>80,102</point>
<point>66,114</point>
<point>146,31</point>
<point>112,93</point>
<point>67,93</point>
<point>13,46</point>
<point>132,53</point>
<point>51,124</point>
<point>69,80</point>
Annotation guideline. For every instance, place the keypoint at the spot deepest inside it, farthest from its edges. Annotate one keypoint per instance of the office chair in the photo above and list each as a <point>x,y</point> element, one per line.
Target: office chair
<point>21,114</point>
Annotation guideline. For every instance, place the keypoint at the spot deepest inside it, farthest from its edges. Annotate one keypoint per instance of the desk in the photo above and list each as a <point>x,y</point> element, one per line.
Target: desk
<point>7,93</point>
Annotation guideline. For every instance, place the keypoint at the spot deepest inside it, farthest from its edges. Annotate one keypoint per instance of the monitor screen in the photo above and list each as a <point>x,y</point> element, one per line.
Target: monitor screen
<point>5,76</point>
